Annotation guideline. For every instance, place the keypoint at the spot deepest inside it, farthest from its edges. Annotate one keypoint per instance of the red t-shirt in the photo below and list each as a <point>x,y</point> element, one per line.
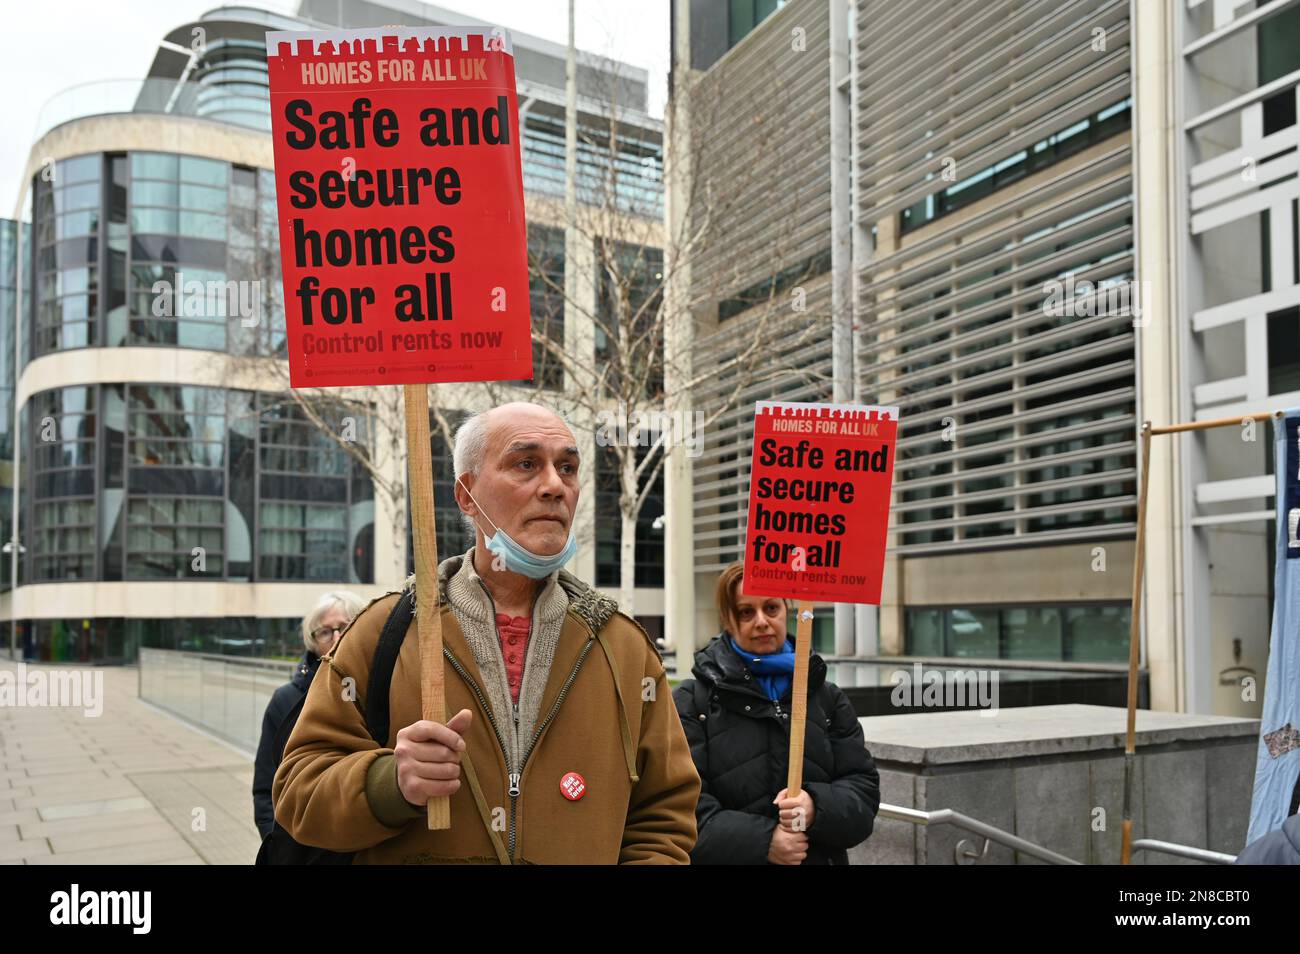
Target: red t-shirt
<point>512,631</point>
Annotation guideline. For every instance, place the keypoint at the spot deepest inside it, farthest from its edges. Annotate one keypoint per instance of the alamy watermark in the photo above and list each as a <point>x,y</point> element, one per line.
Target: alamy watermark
<point>211,299</point>
<point>75,906</point>
<point>645,428</point>
<point>1080,298</point>
<point>53,688</point>
<point>923,688</point>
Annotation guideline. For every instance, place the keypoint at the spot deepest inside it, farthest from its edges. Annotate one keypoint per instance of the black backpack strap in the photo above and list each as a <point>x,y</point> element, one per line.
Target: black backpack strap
<point>382,666</point>
<point>278,847</point>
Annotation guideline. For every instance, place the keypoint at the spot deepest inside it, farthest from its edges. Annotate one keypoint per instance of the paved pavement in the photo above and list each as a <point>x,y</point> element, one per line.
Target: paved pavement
<point>131,786</point>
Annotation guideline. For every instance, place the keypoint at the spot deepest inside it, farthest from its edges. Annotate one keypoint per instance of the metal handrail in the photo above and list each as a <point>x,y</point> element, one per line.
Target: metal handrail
<point>247,662</point>
<point>1184,851</point>
<point>947,816</point>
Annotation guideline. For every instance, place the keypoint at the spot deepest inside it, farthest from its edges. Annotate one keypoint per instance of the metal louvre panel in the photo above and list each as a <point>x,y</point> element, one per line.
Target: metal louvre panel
<point>1105,425</point>
<point>1101,179</point>
<point>1013,49</point>
<point>1003,104</point>
<point>1123,529</point>
<point>722,485</point>
<point>910,284</point>
<point>761,124</point>
<point>952,316</point>
<point>988,34</point>
<point>892,194</point>
<point>1088,506</point>
<point>763,187</point>
<point>1118,397</point>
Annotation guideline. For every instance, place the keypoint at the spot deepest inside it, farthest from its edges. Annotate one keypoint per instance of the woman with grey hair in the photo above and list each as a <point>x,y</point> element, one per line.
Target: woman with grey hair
<point>321,629</point>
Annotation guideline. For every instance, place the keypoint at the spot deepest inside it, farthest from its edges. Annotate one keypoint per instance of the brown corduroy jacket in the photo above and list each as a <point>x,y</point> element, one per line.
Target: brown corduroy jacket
<point>607,714</point>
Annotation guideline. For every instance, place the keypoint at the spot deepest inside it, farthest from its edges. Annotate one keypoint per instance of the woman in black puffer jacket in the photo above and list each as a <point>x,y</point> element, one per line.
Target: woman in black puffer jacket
<point>736,715</point>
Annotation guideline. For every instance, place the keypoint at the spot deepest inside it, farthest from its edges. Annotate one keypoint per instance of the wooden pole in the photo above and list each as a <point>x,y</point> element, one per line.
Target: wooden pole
<point>1134,644</point>
<point>799,697</point>
<point>1217,422</point>
<point>1135,626</point>
<point>424,537</point>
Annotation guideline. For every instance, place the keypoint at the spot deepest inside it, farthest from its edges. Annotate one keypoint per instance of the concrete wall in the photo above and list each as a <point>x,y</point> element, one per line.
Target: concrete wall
<point>1062,573</point>
<point>1054,775</point>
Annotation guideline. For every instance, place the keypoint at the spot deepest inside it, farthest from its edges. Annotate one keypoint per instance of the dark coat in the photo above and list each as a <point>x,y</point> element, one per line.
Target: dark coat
<point>740,741</point>
<point>1279,847</point>
<point>283,702</point>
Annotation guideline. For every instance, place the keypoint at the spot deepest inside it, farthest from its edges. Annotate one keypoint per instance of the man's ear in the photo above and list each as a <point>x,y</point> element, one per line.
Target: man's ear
<point>463,499</point>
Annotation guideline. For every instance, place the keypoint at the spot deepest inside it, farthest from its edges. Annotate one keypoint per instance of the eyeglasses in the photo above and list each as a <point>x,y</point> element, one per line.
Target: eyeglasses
<point>324,631</point>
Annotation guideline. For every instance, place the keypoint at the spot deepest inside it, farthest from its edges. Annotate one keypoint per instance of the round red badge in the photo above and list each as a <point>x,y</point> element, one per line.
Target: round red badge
<point>573,786</point>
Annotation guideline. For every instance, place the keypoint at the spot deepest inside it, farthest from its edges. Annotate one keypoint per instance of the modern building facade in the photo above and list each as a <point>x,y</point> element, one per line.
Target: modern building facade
<point>173,491</point>
<point>962,190</point>
<point>1217,206</point>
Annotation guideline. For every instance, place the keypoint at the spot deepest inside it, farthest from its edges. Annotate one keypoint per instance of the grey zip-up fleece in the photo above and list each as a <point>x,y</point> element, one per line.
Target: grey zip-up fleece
<point>475,612</point>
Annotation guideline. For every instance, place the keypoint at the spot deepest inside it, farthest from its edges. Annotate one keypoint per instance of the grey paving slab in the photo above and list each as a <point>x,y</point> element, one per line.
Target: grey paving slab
<point>63,826</point>
<point>120,788</point>
<point>173,849</point>
<point>23,849</point>
<point>100,807</point>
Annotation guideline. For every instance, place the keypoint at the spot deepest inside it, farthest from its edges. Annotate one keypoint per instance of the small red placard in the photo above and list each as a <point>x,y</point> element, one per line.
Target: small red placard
<point>819,501</point>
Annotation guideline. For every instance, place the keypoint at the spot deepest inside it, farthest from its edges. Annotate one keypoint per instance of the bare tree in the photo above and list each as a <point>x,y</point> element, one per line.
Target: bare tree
<point>619,217</point>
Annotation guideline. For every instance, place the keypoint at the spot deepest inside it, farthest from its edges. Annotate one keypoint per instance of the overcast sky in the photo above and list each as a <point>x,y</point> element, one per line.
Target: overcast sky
<point>50,45</point>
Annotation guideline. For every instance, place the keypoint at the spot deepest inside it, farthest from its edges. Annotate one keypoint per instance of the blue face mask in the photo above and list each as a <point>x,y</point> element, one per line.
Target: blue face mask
<point>519,559</point>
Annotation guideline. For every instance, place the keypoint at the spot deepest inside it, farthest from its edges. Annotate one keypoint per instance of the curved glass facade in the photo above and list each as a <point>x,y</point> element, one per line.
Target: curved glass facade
<point>112,230</point>
<point>231,81</point>
<point>161,481</point>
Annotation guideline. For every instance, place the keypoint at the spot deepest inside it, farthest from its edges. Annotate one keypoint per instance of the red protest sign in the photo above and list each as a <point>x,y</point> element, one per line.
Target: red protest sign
<point>819,501</point>
<point>401,205</point>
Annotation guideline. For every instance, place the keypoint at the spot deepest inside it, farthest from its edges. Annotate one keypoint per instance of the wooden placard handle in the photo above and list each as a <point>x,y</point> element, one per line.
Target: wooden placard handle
<point>424,537</point>
<point>799,696</point>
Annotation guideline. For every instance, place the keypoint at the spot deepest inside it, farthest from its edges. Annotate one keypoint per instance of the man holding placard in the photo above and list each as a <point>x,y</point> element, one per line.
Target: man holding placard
<point>403,244</point>
<point>564,746</point>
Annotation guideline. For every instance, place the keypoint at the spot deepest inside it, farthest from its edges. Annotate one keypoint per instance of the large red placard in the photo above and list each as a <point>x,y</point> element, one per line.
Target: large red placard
<point>819,501</point>
<point>400,196</point>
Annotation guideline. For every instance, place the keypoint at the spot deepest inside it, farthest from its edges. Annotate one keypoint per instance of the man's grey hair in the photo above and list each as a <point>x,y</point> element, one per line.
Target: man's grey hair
<point>467,452</point>
<point>470,444</point>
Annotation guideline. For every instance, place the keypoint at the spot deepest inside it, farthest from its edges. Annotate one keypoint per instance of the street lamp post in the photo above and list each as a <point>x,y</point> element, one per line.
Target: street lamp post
<point>16,550</point>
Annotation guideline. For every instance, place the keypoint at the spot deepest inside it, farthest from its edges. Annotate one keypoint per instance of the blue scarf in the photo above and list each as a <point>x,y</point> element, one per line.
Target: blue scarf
<point>773,671</point>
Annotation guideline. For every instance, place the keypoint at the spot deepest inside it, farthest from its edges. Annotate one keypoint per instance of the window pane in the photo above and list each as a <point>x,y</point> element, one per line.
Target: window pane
<point>1098,633</point>
<point>925,632</point>
<point>153,165</point>
<point>973,632</point>
<point>203,198</point>
<point>163,221</point>
<point>154,193</point>
<point>205,171</point>
<point>79,169</point>
<point>1032,633</point>
<point>203,225</point>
